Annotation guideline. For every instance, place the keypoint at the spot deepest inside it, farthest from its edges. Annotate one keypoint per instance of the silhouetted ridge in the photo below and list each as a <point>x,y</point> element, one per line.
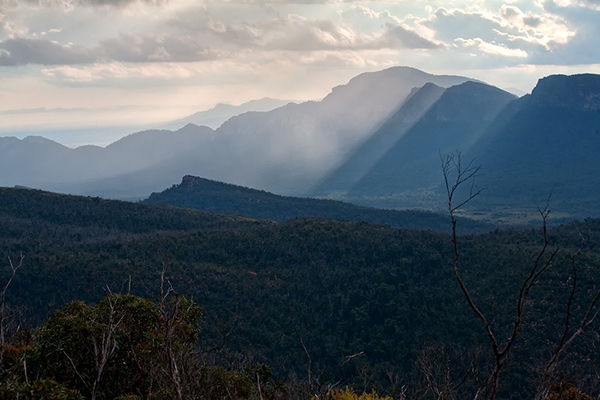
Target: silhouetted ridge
<point>207,195</point>
<point>547,142</point>
<point>574,91</point>
<point>410,169</point>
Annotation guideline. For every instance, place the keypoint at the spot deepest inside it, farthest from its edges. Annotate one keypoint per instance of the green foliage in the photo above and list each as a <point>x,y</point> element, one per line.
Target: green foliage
<point>70,340</point>
<point>203,194</point>
<point>128,331</point>
<point>349,394</point>
<point>217,383</point>
<point>566,391</point>
<point>41,389</point>
<point>146,343</point>
<point>340,288</point>
<point>265,387</point>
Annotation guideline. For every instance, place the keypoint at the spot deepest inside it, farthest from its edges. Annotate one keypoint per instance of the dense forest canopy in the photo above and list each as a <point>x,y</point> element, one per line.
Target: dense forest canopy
<point>305,305</point>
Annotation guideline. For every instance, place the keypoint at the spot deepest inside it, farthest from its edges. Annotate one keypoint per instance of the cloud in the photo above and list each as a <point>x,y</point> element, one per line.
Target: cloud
<point>194,33</point>
<point>69,4</point>
<point>159,48</point>
<point>544,29</point>
<point>397,36</point>
<point>298,33</point>
<point>40,110</point>
<point>98,72</point>
<point>125,48</point>
<point>294,32</point>
<point>582,47</point>
<point>4,26</point>
<point>491,48</point>
<point>589,4</point>
<point>8,28</point>
<point>121,38</point>
<point>15,52</point>
<point>508,32</point>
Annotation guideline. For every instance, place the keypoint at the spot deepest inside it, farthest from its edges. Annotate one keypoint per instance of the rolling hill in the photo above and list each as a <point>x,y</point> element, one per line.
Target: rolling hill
<point>337,288</point>
<point>203,194</point>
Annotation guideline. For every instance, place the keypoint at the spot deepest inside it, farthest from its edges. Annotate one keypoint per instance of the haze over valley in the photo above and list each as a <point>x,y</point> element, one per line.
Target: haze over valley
<point>292,200</point>
<point>375,141</point>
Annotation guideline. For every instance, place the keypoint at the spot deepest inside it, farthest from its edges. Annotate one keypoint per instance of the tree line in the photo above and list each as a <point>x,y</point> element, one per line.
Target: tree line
<point>316,305</point>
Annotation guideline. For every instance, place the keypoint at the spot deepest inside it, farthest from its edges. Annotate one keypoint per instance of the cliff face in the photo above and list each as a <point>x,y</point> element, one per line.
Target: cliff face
<point>575,91</point>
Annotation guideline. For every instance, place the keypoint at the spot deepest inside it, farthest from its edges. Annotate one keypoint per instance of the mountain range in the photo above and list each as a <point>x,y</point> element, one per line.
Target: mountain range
<point>216,116</point>
<point>283,150</point>
<point>376,141</point>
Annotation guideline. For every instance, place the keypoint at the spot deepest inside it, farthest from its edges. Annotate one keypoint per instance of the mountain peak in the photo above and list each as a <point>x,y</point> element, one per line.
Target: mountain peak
<point>570,91</point>
<point>189,182</point>
<point>471,101</point>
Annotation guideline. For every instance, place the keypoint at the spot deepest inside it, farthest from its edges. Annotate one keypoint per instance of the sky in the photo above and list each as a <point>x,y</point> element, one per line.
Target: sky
<point>74,64</point>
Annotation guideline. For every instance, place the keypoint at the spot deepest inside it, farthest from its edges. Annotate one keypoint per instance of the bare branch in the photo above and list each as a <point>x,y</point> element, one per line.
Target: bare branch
<point>565,341</point>
<point>309,361</point>
<point>3,312</point>
<point>85,382</point>
<point>347,359</point>
<point>452,166</point>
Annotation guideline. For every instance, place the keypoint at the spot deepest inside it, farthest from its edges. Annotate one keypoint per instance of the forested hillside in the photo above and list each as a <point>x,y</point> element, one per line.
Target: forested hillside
<point>322,303</point>
<point>204,194</point>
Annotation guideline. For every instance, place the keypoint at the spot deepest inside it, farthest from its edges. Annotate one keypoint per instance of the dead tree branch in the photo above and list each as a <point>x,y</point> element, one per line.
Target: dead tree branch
<point>3,311</point>
<point>4,314</point>
<point>456,174</point>
<point>567,337</point>
<point>106,345</point>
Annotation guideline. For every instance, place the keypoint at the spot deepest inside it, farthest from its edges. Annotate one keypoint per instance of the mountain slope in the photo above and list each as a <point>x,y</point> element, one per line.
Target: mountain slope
<point>288,149</point>
<point>369,142</point>
<point>30,161</point>
<point>42,163</point>
<point>337,287</point>
<point>207,195</point>
<point>412,164</point>
<point>220,113</point>
<point>546,143</point>
<point>284,150</point>
<point>342,178</point>
<point>102,216</point>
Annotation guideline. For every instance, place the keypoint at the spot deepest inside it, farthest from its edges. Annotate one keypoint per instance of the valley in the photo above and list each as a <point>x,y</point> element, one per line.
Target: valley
<point>312,247</point>
<point>361,144</point>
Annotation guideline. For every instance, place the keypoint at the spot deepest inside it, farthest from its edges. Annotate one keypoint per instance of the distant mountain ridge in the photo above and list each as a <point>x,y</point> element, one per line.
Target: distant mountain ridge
<point>206,195</point>
<point>546,145</point>
<point>41,163</point>
<point>370,152</point>
<point>543,145</point>
<point>375,141</point>
<point>452,123</point>
<point>574,92</point>
<point>284,150</point>
<point>443,121</point>
<point>220,113</point>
